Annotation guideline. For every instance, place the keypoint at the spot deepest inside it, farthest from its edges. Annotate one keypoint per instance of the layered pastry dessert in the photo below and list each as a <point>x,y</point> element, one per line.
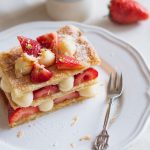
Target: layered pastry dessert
<point>47,73</point>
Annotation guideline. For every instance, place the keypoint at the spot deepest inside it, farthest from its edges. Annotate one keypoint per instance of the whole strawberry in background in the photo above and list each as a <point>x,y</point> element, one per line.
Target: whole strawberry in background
<point>127,11</point>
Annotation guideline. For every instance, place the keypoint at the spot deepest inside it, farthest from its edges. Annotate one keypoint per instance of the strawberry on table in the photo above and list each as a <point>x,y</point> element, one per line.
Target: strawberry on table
<point>49,40</point>
<point>29,46</point>
<point>45,91</point>
<point>127,11</point>
<point>87,75</point>
<point>19,113</point>
<point>40,74</point>
<point>67,62</point>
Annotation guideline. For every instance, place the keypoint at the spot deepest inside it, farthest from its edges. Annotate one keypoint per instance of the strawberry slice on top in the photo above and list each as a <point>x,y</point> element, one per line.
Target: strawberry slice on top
<point>19,113</point>
<point>40,74</point>
<point>87,75</point>
<point>29,46</point>
<point>67,62</point>
<point>45,91</point>
<point>127,11</point>
<point>49,40</point>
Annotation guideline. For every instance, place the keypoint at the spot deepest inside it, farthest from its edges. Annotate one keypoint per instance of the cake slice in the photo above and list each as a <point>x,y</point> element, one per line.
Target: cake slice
<point>48,73</point>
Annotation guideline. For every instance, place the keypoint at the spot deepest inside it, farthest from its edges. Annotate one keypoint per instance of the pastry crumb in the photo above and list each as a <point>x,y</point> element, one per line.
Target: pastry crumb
<point>74,120</point>
<point>72,145</point>
<point>20,134</point>
<point>29,125</point>
<point>85,138</point>
<point>54,144</point>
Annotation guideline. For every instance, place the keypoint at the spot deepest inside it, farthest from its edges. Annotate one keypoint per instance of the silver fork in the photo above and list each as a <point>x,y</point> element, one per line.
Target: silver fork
<point>114,91</point>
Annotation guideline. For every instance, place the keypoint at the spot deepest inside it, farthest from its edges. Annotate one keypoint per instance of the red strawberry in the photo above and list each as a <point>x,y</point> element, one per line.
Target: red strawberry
<point>87,75</point>
<point>67,62</point>
<point>40,74</point>
<point>127,11</point>
<point>45,91</point>
<point>19,113</point>
<point>49,40</point>
<point>29,46</point>
<point>66,97</point>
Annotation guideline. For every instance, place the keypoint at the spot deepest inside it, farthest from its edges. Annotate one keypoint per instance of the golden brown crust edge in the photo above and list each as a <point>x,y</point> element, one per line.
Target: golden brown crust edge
<point>55,108</point>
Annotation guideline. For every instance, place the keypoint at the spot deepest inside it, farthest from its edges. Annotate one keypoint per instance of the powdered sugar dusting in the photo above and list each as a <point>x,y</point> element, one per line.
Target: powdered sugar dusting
<point>81,53</point>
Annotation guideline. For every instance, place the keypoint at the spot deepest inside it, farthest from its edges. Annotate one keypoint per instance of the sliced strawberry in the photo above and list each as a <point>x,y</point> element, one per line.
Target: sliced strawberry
<point>49,40</point>
<point>67,62</point>
<point>67,97</point>
<point>29,46</point>
<point>45,91</point>
<point>20,113</point>
<point>40,74</point>
<point>127,11</point>
<point>87,75</point>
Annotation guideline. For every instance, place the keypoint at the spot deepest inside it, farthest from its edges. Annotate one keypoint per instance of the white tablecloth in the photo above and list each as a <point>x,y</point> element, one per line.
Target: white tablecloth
<point>13,12</point>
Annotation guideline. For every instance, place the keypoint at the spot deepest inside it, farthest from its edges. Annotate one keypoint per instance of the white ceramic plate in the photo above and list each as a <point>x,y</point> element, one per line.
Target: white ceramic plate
<point>54,130</point>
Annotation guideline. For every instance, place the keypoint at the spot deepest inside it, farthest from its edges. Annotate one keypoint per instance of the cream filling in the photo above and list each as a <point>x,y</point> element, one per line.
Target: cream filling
<point>67,84</point>
<point>24,101</point>
<point>27,98</point>
<point>67,46</point>
<point>47,58</point>
<point>24,65</point>
<point>46,106</point>
<point>89,91</point>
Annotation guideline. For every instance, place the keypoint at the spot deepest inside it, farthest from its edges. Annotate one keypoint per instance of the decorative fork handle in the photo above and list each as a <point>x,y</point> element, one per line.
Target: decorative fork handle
<point>101,142</point>
<point>107,114</point>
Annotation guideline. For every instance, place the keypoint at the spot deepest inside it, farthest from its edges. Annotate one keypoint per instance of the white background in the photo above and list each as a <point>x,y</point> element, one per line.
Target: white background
<point>13,12</point>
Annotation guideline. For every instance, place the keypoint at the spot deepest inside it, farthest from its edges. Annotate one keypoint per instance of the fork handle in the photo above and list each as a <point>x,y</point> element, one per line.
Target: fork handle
<point>107,114</point>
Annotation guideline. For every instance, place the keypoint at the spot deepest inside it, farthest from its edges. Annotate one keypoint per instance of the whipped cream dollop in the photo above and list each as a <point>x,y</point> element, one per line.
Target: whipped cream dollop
<point>89,91</point>
<point>46,106</point>
<point>67,84</point>
<point>24,101</point>
<point>24,65</point>
<point>47,58</point>
<point>67,46</point>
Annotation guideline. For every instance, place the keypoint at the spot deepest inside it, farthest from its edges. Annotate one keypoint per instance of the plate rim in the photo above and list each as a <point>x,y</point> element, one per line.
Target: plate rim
<point>138,55</point>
